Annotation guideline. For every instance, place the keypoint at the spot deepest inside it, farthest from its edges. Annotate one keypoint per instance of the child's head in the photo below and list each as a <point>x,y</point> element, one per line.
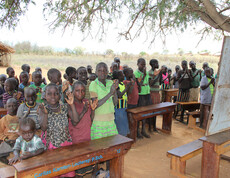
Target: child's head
<point>205,64</point>
<point>92,77</point>
<point>114,66</point>
<point>27,128</point>
<point>177,68</point>
<point>102,71</point>
<point>39,69</point>
<point>79,91</point>
<point>10,72</point>
<point>12,106</point>
<point>154,63</point>
<point>128,73</point>
<point>184,65</point>
<point>26,68</point>
<point>169,71</point>
<point>89,69</point>
<point>10,84</point>
<point>37,78</point>
<point>71,73</point>
<point>125,66</point>
<point>192,65</point>
<point>54,76</point>
<point>82,73</point>
<point>30,95</point>
<point>2,79</point>
<point>65,76</point>
<point>164,69</point>
<point>207,71</point>
<point>52,94</point>
<point>24,76</point>
<point>118,75</point>
<point>141,64</point>
<point>117,60</point>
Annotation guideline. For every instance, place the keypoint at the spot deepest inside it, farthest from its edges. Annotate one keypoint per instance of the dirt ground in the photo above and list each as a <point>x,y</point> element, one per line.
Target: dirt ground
<point>147,157</point>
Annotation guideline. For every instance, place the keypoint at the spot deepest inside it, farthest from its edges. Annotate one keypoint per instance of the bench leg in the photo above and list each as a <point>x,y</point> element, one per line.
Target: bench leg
<point>117,167</point>
<point>210,161</point>
<point>177,166</point>
<point>191,122</point>
<point>167,122</point>
<point>132,127</point>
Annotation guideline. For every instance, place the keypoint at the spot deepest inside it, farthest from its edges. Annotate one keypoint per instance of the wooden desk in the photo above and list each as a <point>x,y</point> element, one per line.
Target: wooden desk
<point>190,106</point>
<point>3,112</point>
<point>144,112</point>
<point>170,93</point>
<point>59,161</point>
<point>213,146</point>
<point>6,171</point>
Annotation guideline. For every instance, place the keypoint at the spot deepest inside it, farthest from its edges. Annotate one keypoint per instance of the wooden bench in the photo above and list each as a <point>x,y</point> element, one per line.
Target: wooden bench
<point>3,112</point>
<point>63,160</point>
<point>213,146</point>
<point>192,116</point>
<point>144,112</point>
<point>169,93</point>
<point>181,154</point>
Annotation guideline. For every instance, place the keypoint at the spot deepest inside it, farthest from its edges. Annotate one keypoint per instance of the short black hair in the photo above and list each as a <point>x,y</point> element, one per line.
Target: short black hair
<point>24,66</point>
<point>140,60</point>
<point>24,72</point>
<point>30,88</point>
<point>116,74</point>
<point>78,83</point>
<point>70,70</point>
<point>101,64</point>
<point>36,72</point>
<point>51,85</point>
<point>81,67</point>
<point>184,62</point>
<point>27,121</point>
<point>3,75</point>
<point>12,81</point>
<point>8,69</point>
<point>11,100</point>
<point>52,71</point>
<point>153,61</point>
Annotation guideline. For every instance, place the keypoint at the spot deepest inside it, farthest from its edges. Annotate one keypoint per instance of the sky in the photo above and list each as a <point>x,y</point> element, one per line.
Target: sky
<point>34,28</point>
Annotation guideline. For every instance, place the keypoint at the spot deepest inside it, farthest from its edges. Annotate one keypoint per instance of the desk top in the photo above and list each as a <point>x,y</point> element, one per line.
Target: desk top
<point>188,103</point>
<point>151,107</point>
<point>70,152</point>
<point>173,89</point>
<point>218,138</point>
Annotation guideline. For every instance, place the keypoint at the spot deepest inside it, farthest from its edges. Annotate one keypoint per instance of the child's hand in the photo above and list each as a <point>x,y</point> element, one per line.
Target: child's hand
<point>212,80</point>
<point>65,86</point>
<point>144,70</point>
<point>41,108</point>
<point>94,104</point>
<point>14,159</point>
<point>18,95</point>
<point>139,79</point>
<point>86,106</point>
<point>114,86</point>
<point>70,98</point>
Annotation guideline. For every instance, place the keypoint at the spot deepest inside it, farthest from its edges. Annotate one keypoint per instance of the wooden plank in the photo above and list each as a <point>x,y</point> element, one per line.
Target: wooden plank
<point>223,148</point>
<point>218,138</point>
<point>7,171</point>
<point>186,149</point>
<point>69,158</point>
<point>150,107</point>
<point>188,103</point>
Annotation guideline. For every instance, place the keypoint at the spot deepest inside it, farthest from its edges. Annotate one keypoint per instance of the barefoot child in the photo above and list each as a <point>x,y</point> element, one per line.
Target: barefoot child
<point>54,120</point>
<point>38,85</point>
<point>10,85</point>
<point>121,118</point>
<point>82,76</point>
<point>29,108</point>
<point>105,91</point>
<point>29,144</point>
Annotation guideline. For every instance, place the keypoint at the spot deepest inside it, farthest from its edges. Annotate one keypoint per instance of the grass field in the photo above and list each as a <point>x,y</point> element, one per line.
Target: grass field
<point>62,62</point>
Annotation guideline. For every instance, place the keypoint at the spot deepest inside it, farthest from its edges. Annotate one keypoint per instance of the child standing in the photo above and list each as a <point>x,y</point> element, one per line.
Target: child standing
<point>2,90</point>
<point>10,85</point>
<point>26,68</point>
<point>82,76</point>
<point>38,85</point>
<point>28,143</point>
<point>9,123</point>
<point>105,91</point>
<point>121,118</point>
<point>54,120</point>
<point>144,94</point>
<point>155,78</point>
<point>24,77</point>
<point>40,70</point>
<point>29,108</point>
<point>207,85</point>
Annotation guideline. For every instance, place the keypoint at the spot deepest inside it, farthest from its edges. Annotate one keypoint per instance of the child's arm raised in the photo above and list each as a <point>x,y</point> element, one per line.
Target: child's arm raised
<point>43,117</point>
<point>93,105</point>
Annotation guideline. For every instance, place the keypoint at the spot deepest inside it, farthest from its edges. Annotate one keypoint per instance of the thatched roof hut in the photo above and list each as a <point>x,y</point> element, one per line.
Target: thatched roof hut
<point>5,52</point>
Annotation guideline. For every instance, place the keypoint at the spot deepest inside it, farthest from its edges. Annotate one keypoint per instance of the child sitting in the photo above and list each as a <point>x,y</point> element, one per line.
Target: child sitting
<point>9,123</point>
<point>24,77</point>
<point>10,85</point>
<point>121,118</point>
<point>29,108</point>
<point>38,85</point>
<point>54,120</point>
<point>2,90</point>
<point>26,68</point>
<point>40,70</point>
<point>29,144</point>
<point>82,76</point>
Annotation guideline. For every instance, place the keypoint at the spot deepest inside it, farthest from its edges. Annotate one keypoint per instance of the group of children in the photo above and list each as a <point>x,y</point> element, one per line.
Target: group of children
<point>86,105</point>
